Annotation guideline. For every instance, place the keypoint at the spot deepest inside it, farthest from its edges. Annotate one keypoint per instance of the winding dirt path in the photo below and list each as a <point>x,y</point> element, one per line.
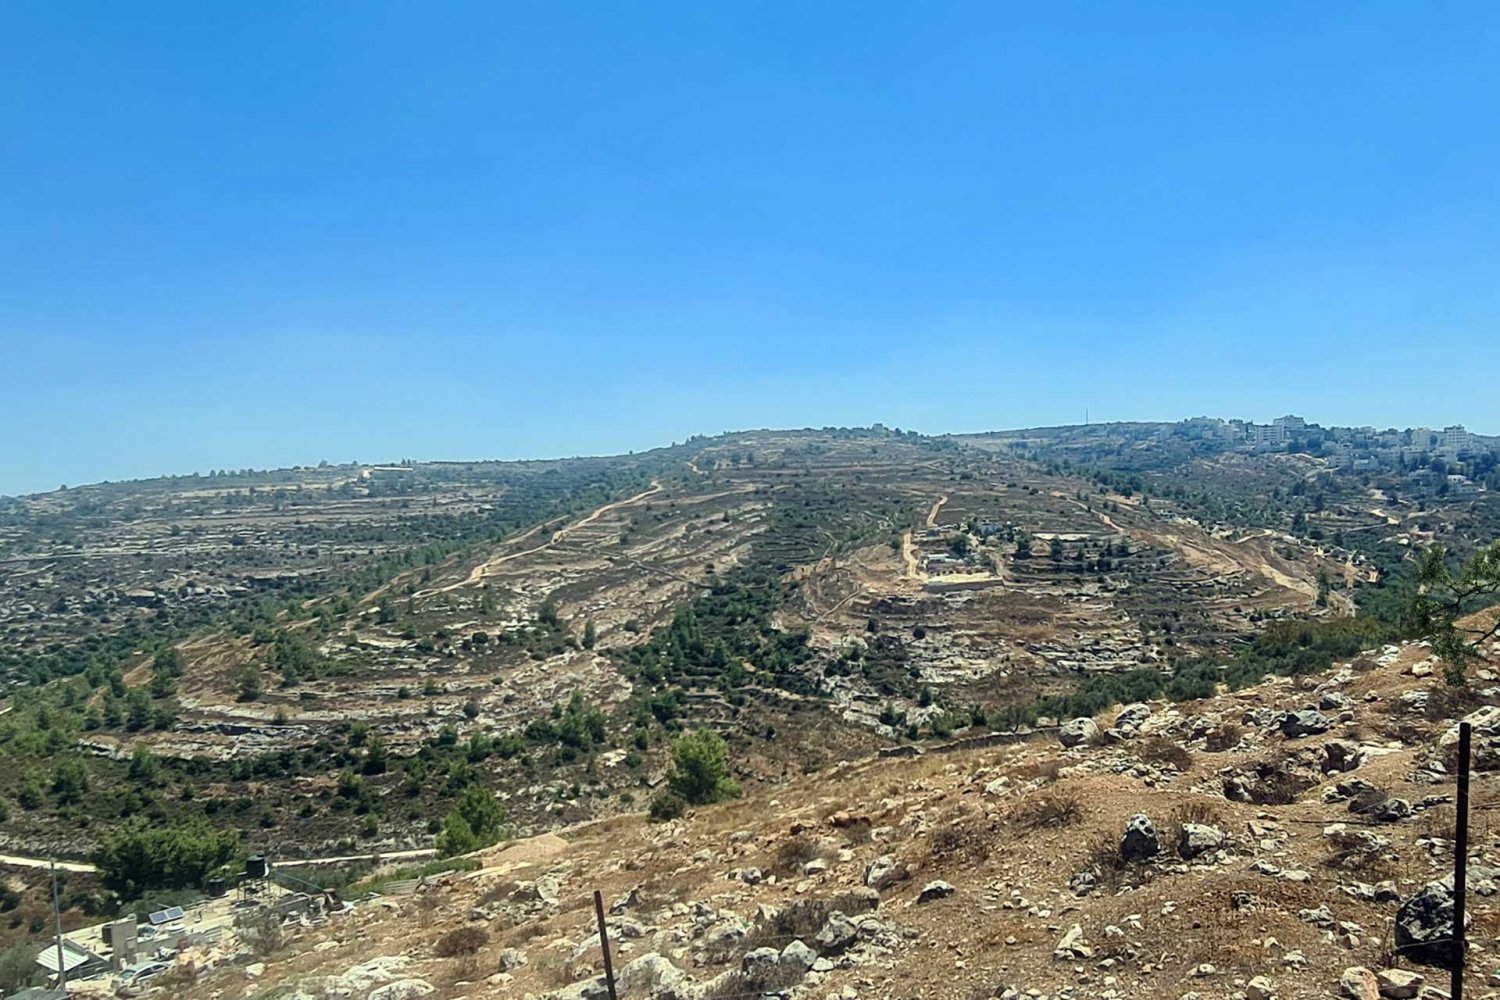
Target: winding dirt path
<point>478,573</point>
<point>933,513</point>
<point>908,553</point>
<point>1109,522</point>
<point>1230,558</point>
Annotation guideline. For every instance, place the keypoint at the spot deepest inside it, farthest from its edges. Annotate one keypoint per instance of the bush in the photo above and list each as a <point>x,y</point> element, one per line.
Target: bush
<point>262,931</point>
<point>967,841</point>
<point>1225,736</point>
<point>477,821</point>
<point>1287,648</point>
<point>794,853</point>
<point>801,919</point>
<point>1048,812</point>
<point>1270,784</point>
<point>1351,851</point>
<point>1450,701</point>
<point>1103,858</point>
<point>70,781</point>
<point>1367,800</point>
<point>1200,811</point>
<point>32,793</point>
<point>461,941</point>
<point>700,768</point>
<point>249,684</point>
<point>18,968</point>
<point>859,831</point>
<point>576,728</point>
<point>771,980</point>
<point>138,857</point>
<point>1160,750</point>
<point>667,806</point>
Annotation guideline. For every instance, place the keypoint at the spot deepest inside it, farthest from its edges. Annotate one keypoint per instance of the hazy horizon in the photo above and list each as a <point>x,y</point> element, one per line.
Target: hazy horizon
<point>375,459</point>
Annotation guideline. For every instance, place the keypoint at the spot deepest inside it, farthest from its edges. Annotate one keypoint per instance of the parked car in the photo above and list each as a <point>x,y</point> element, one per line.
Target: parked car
<point>141,973</point>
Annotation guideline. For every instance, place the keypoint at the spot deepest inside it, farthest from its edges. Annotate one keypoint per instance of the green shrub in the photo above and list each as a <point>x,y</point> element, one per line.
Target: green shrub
<point>666,806</point>
<point>700,768</point>
<point>32,793</point>
<point>477,821</point>
<point>18,968</point>
<point>1284,648</point>
<point>137,857</point>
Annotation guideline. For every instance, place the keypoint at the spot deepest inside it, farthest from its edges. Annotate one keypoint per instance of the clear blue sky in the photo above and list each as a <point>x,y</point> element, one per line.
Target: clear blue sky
<point>269,233</point>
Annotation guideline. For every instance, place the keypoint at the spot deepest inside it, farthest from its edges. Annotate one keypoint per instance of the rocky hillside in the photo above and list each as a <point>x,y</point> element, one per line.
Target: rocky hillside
<point>1280,841</point>
<point>812,596</point>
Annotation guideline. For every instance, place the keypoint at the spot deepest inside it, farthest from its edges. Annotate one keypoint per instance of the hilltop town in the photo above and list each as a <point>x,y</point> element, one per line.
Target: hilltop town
<point>1431,461</point>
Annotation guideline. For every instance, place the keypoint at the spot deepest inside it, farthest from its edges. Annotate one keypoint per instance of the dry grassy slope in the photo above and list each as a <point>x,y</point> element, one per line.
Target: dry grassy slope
<point>962,817</point>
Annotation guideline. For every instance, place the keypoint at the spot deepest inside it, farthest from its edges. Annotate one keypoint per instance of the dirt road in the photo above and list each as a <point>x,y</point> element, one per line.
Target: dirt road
<point>18,861</point>
<point>1109,522</point>
<point>909,557</point>
<point>1229,558</point>
<point>344,859</point>
<point>933,513</point>
<point>908,553</point>
<point>478,573</point>
<point>82,867</point>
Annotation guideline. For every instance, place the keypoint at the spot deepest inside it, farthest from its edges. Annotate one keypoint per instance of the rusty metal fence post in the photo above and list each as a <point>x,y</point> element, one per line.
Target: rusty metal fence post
<point>609,967</point>
<point>1461,863</point>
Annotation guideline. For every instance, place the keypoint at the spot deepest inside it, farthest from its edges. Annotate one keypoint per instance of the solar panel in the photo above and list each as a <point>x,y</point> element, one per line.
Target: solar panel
<point>166,916</point>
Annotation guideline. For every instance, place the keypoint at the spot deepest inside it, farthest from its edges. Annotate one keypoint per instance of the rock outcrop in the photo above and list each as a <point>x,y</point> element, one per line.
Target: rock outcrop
<point>1077,732</point>
<point>1140,841</point>
<point>1424,924</point>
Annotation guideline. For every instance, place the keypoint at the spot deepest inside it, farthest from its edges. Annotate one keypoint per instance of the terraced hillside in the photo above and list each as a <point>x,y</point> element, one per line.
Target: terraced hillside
<point>324,660</point>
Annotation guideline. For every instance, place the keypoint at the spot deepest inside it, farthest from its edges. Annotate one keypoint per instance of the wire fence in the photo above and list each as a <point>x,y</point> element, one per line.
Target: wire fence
<point>739,945</point>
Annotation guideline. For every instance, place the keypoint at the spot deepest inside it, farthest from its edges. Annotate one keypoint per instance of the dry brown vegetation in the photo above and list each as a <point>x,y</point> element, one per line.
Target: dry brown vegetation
<point>860,522</point>
<point>857,831</point>
<point>862,581</point>
<point>461,941</point>
<point>968,840</point>
<point>1224,736</point>
<point>801,919</point>
<point>1199,809</point>
<point>1160,750</point>
<point>1367,800</point>
<point>796,852</point>
<point>1048,811</point>
<point>1271,783</point>
<point>1102,857</point>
